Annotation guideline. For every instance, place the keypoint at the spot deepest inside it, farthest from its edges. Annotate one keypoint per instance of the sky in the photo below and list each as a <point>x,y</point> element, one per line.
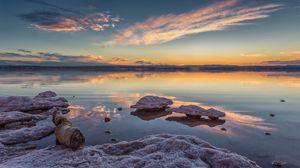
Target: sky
<point>143,32</point>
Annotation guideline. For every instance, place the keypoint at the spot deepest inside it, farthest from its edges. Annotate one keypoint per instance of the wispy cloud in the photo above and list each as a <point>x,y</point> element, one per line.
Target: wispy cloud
<point>58,19</point>
<point>252,55</point>
<point>217,16</point>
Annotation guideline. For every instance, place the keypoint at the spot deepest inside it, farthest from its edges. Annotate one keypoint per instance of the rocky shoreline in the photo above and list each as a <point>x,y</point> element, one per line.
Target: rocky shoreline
<point>25,119</point>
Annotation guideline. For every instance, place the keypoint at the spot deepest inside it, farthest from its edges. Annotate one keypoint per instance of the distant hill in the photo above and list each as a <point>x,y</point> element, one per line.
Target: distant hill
<point>158,68</point>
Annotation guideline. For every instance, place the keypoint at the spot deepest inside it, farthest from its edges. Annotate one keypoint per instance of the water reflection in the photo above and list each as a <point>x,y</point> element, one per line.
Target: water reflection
<point>58,77</point>
<point>191,122</point>
<point>93,113</point>
<point>247,98</point>
<point>149,115</point>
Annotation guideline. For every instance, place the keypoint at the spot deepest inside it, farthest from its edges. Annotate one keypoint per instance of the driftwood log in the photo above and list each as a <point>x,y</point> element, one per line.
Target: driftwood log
<point>66,134</point>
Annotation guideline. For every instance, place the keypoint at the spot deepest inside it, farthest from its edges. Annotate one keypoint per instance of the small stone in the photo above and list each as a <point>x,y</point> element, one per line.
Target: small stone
<point>278,163</point>
<point>119,108</point>
<point>267,133</point>
<point>113,140</point>
<point>223,129</point>
<point>107,132</point>
<point>106,119</point>
<point>282,100</point>
<point>272,115</point>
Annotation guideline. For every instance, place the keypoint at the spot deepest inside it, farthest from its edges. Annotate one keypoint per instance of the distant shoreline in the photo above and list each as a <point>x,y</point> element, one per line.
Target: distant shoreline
<point>156,68</point>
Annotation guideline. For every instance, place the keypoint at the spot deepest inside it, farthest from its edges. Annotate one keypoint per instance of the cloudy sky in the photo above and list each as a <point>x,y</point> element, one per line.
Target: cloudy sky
<point>143,32</point>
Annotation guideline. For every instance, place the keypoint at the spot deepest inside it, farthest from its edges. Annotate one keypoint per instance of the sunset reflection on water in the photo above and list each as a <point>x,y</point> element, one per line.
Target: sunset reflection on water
<point>247,98</point>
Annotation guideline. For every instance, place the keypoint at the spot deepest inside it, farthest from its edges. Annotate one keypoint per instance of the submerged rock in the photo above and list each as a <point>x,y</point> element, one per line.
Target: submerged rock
<point>194,111</point>
<point>151,151</point>
<point>152,102</point>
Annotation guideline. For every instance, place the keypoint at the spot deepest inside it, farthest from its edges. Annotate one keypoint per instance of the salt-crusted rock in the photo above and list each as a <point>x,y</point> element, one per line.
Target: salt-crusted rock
<point>191,110</point>
<point>46,94</point>
<point>214,114</point>
<point>10,151</point>
<point>56,110</point>
<point>24,119</point>
<point>152,102</point>
<point>26,104</point>
<point>17,117</point>
<point>162,150</point>
<point>194,111</point>
<point>41,129</point>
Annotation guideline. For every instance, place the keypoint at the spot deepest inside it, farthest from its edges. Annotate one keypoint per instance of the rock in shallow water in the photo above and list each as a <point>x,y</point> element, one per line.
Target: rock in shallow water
<point>151,151</point>
<point>152,102</point>
<point>193,111</point>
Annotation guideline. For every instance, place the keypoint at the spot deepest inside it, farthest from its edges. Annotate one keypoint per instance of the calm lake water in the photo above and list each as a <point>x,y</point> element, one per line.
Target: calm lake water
<point>247,98</point>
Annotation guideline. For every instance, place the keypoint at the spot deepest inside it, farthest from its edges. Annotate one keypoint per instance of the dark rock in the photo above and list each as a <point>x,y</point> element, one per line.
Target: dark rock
<point>278,163</point>
<point>107,132</point>
<point>267,133</point>
<point>106,119</point>
<point>223,129</point>
<point>119,108</point>
<point>272,115</point>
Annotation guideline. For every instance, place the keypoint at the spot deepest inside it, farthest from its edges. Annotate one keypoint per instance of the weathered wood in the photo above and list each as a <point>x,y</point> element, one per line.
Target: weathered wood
<point>66,134</point>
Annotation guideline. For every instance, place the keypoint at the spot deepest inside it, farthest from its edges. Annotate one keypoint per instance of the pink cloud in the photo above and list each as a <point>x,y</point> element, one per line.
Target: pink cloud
<point>96,22</point>
<point>215,17</point>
